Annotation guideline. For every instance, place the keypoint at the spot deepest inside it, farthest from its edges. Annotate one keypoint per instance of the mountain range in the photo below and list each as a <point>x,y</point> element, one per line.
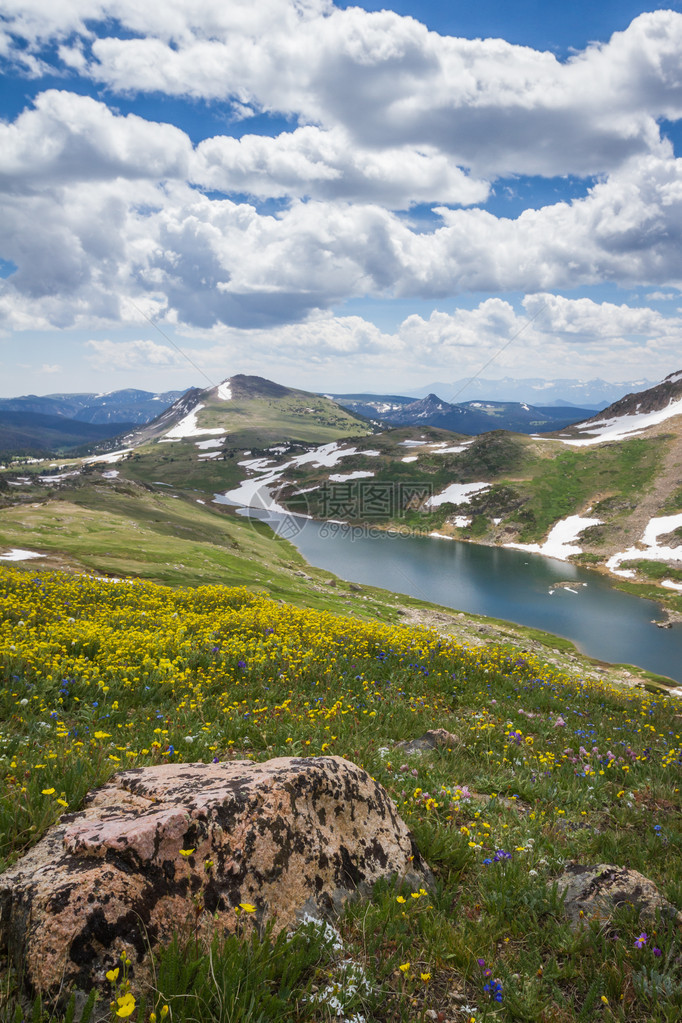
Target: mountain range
<point>471,418</point>
<point>125,406</point>
<point>33,425</point>
<point>594,394</point>
<point>40,425</point>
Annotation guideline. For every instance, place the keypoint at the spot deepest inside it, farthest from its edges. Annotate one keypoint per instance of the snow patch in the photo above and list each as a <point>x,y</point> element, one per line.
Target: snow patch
<point>214,443</point>
<point>559,544</point>
<point>326,456</point>
<point>452,450</point>
<point>652,550</point>
<point>306,490</point>
<point>256,493</point>
<point>17,554</point>
<point>256,464</point>
<point>225,391</point>
<point>410,458</point>
<point>188,427</point>
<point>619,427</point>
<point>113,456</point>
<point>339,477</point>
<point>457,493</point>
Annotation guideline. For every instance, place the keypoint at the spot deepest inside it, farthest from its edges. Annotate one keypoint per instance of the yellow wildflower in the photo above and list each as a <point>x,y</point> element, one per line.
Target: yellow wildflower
<point>126,1005</point>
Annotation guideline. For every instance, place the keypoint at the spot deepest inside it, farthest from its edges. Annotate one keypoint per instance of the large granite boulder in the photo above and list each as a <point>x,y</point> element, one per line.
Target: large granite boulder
<point>594,893</point>
<point>195,847</point>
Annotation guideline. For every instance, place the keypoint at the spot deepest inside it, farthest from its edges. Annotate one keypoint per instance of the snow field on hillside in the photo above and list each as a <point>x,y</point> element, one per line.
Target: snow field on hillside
<point>559,543</point>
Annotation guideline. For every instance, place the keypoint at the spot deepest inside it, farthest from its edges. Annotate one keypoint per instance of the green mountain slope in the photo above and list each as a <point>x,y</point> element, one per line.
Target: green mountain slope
<point>248,412</point>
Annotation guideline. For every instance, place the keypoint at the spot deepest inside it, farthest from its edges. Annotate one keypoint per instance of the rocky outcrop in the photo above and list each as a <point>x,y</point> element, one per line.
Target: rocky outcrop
<point>596,892</point>
<point>196,847</point>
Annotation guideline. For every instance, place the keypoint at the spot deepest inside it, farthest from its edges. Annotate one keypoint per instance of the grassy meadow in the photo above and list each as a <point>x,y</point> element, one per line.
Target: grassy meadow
<point>100,675</point>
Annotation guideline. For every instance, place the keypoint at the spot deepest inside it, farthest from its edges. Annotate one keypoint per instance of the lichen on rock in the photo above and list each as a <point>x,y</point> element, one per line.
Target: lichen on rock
<point>197,847</point>
<point>596,892</point>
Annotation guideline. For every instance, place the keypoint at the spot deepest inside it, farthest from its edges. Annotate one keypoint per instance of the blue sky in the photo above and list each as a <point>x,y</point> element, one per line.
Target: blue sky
<point>338,196</point>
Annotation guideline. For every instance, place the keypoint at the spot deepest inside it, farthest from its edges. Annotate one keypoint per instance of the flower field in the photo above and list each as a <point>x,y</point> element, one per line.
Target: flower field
<point>98,676</point>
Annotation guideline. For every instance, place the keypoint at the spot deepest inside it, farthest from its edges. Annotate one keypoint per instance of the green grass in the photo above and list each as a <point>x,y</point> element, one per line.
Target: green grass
<point>119,528</point>
<point>178,465</point>
<point>132,671</point>
<point>653,569</point>
<point>564,485</point>
<point>127,531</point>
<point>674,502</point>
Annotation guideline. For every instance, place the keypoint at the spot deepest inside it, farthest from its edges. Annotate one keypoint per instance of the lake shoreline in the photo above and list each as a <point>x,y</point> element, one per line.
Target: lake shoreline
<point>524,588</point>
<point>660,595</point>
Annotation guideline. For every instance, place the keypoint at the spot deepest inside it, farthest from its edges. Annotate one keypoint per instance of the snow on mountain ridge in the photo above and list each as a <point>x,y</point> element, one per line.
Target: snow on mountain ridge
<point>632,414</point>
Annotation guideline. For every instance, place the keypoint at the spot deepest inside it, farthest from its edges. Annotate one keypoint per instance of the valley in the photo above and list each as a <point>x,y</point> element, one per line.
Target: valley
<point>285,451</point>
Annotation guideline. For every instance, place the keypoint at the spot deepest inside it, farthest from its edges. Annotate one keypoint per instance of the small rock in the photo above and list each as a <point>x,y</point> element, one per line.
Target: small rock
<point>509,804</point>
<point>433,739</point>
<point>599,890</point>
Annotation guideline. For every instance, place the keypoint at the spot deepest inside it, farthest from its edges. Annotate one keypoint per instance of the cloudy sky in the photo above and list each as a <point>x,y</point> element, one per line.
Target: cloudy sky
<point>341,197</point>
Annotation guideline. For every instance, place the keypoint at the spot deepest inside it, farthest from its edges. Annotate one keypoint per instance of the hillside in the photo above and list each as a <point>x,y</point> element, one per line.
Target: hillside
<point>537,770</point>
<point>249,411</point>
